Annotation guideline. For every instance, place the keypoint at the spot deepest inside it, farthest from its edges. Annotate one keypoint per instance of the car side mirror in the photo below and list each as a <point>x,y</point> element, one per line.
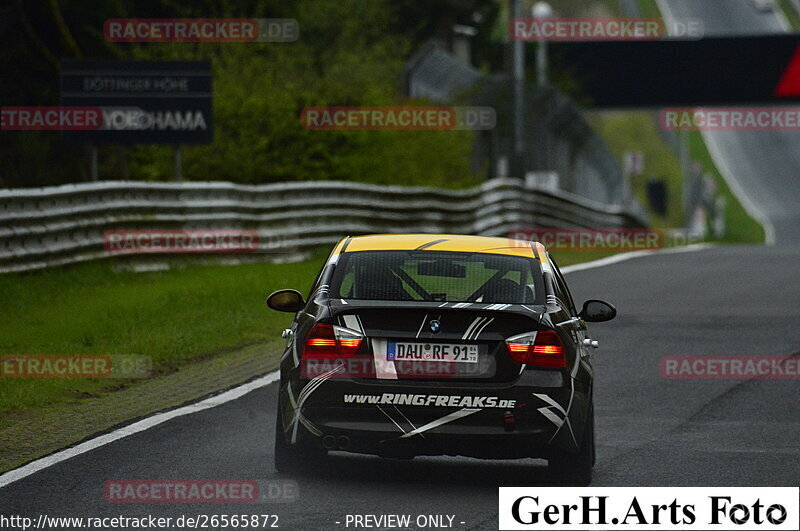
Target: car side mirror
<point>597,311</point>
<point>286,300</point>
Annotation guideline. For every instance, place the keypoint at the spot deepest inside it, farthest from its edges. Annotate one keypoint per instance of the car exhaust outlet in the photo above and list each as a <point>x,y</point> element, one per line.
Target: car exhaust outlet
<point>509,421</point>
<point>329,442</point>
<point>343,442</point>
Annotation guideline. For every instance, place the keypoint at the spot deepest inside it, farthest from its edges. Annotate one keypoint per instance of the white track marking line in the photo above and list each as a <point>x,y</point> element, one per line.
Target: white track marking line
<point>622,257</point>
<point>136,427</point>
<point>722,165</point>
<point>736,188</point>
<point>238,392</point>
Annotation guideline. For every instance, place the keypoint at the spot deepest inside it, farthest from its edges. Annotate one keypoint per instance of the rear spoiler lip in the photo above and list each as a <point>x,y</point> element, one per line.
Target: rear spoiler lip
<point>338,306</point>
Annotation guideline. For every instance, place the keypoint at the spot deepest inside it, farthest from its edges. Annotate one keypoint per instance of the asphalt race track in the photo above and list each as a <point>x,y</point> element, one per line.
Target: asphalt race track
<point>765,164</point>
<point>651,431</point>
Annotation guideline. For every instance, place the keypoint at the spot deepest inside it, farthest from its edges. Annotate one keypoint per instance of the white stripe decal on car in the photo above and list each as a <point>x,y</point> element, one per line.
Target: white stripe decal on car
<point>390,418</point>
<point>461,413</point>
<point>470,327</point>
<point>555,419</point>
<point>304,394</point>
<point>421,325</point>
<point>410,423</point>
<point>479,330</point>
<point>352,322</point>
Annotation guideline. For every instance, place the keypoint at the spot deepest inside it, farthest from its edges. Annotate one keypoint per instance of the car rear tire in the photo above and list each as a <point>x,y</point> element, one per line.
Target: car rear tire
<point>287,458</point>
<point>293,458</point>
<point>576,468</point>
<point>594,438</point>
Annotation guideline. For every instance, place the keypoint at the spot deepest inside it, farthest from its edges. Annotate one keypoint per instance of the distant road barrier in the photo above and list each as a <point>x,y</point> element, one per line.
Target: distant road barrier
<point>46,227</point>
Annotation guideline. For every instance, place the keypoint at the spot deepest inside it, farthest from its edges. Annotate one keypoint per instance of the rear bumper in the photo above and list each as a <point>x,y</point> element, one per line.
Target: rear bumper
<point>494,446</point>
<point>509,422</point>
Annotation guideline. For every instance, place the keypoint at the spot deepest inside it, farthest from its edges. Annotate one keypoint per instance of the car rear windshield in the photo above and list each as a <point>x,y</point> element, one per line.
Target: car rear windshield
<point>437,276</point>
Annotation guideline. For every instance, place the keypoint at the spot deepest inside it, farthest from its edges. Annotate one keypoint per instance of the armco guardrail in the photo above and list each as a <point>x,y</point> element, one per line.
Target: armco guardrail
<point>45,227</point>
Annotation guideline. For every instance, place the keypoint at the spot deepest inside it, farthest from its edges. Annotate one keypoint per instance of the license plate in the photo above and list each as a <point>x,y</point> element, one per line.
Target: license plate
<point>440,352</point>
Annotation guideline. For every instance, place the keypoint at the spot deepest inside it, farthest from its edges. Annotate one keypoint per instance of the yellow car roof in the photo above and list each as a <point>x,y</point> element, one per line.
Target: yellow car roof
<point>444,242</point>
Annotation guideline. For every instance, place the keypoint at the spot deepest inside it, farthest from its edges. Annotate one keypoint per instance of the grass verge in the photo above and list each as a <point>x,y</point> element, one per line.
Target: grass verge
<point>173,317</point>
<point>791,12</point>
<point>741,228</point>
<point>638,131</point>
<point>648,9</point>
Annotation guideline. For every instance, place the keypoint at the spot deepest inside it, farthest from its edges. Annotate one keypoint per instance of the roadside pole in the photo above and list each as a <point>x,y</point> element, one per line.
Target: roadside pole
<point>518,75</point>
<point>178,164</point>
<point>93,162</point>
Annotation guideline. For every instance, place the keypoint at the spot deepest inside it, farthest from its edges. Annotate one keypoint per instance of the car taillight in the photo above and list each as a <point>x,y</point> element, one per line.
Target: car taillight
<point>325,342</point>
<point>541,349</point>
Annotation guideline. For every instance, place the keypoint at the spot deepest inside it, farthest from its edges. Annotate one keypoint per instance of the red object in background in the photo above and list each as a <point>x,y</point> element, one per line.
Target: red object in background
<point>789,85</point>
